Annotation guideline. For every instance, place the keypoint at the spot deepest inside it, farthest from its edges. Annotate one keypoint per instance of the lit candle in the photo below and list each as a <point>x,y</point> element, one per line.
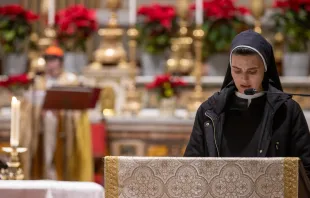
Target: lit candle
<point>198,13</point>
<point>132,12</point>
<point>15,119</point>
<point>51,12</point>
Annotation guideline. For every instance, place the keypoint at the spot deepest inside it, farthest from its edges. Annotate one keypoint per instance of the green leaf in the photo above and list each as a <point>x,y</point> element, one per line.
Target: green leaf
<point>21,30</point>
<point>213,35</point>
<point>9,35</point>
<point>224,30</point>
<point>150,49</point>
<point>3,23</point>
<point>7,48</point>
<point>302,14</point>
<point>162,39</point>
<point>220,45</point>
<point>290,16</point>
<point>233,33</point>
<point>205,26</point>
<point>308,34</point>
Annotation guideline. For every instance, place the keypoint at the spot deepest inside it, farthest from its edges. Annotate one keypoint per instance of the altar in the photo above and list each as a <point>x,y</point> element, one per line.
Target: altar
<point>147,136</point>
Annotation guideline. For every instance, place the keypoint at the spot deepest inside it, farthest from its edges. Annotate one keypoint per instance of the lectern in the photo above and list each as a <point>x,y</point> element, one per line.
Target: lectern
<point>172,177</point>
<point>69,98</point>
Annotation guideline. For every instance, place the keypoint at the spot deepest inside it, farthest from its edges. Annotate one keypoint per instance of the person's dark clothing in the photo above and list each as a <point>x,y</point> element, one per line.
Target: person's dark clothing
<point>283,130</point>
<point>242,141</point>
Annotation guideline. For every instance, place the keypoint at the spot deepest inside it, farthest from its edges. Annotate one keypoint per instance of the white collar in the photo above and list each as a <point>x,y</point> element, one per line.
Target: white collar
<point>249,97</point>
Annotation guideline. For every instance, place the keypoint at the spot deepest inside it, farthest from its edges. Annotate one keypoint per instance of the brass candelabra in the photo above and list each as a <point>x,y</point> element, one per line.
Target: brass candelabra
<point>258,10</point>
<point>111,51</point>
<point>14,170</point>
<point>197,98</point>
<point>133,103</point>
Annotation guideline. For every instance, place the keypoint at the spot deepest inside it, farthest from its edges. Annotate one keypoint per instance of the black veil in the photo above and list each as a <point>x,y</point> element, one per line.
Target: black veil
<point>253,40</point>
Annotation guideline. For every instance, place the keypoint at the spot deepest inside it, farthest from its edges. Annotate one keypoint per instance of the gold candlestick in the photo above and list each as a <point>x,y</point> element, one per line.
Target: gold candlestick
<point>181,60</point>
<point>133,103</point>
<point>14,171</point>
<point>37,63</point>
<point>48,38</point>
<point>197,97</point>
<point>133,36</point>
<point>258,10</point>
<point>278,50</point>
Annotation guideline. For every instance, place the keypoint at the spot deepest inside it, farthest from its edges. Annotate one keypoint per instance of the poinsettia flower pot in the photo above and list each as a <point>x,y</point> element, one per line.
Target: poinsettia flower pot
<point>14,64</point>
<point>167,106</point>
<point>296,64</point>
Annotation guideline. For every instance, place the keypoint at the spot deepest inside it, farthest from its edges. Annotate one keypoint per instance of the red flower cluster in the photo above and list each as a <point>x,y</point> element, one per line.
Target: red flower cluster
<point>14,10</point>
<point>160,80</point>
<point>294,5</point>
<point>222,9</point>
<point>158,13</point>
<point>75,18</point>
<point>166,84</point>
<point>16,80</point>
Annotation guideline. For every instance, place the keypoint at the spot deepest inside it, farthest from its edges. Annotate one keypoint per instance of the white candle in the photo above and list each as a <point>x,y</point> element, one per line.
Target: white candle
<point>132,12</point>
<point>51,12</point>
<point>15,120</point>
<point>199,12</point>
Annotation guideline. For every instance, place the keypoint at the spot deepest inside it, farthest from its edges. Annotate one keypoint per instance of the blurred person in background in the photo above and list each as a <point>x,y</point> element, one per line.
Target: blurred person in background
<point>65,132</point>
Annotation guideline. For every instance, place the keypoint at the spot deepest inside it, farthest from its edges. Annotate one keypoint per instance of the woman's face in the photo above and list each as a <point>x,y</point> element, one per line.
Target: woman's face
<point>247,71</point>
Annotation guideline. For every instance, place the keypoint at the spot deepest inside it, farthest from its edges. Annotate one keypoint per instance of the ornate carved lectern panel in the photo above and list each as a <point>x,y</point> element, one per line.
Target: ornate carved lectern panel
<point>170,177</point>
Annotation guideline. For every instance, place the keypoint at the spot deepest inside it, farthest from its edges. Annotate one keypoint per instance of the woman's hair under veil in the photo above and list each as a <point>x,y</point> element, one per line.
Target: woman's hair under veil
<point>255,42</point>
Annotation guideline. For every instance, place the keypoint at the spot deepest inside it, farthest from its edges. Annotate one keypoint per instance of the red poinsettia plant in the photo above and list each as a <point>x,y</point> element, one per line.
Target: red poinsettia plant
<point>156,27</point>
<point>167,85</point>
<point>74,25</point>
<point>15,27</point>
<point>293,19</point>
<point>16,83</point>
<point>223,20</point>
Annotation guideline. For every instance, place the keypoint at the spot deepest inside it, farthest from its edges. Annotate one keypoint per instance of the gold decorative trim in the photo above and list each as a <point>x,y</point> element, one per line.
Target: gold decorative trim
<point>111,176</point>
<point>291,177</point>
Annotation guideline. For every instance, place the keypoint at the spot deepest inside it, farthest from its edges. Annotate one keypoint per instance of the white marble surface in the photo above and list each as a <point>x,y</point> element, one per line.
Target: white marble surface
<point>49,189</point>
<point>287,81</point>
<point>153,116</point>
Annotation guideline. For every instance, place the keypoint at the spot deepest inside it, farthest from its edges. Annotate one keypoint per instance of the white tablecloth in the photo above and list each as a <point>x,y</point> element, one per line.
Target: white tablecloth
<point>49,189</point>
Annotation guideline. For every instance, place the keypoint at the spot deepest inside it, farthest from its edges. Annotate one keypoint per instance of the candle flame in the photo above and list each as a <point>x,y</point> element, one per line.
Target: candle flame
<point>14,99</point>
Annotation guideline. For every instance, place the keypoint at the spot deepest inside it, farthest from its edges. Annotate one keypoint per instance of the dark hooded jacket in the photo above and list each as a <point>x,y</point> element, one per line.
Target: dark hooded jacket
<point>283,130</point>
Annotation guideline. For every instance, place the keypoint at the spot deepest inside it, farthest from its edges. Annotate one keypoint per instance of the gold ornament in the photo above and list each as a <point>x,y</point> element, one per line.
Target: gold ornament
<point>258,10</point>
<point>181,59</point>
<point>14,171</point>
<point>111,51</point>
